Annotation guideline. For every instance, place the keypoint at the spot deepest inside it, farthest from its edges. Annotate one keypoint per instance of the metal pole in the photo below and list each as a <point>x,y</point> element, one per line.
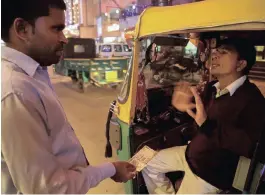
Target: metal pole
<point>99,8</point>
<point>100,16</point>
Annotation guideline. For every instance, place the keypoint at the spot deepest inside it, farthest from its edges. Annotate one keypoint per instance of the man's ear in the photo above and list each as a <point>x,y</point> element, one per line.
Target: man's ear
<point>241,65</point>
<point>22,29</point>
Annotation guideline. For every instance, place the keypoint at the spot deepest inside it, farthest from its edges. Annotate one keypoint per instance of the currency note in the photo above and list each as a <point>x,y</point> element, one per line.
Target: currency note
<point>142,157</point>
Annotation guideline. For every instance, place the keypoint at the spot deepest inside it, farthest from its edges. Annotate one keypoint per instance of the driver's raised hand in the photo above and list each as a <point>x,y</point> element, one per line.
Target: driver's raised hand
<point>182,97</point>
<point>124,171</point>
<point>200,116</point>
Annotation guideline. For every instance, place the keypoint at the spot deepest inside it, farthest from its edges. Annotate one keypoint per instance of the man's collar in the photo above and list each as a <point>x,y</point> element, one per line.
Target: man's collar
<point>23,61</point>
<point>233,86</point>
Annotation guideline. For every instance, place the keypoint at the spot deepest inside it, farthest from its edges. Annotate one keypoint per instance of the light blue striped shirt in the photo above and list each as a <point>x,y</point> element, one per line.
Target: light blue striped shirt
<point>40,151</point>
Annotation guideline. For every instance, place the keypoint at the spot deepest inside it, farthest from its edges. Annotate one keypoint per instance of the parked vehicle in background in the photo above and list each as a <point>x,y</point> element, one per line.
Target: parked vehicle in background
<point>81,63</point>
<point>109,50</point>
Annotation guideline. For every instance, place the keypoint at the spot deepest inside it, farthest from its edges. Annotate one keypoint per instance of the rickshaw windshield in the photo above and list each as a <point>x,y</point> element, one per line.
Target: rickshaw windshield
<point>171,60</point>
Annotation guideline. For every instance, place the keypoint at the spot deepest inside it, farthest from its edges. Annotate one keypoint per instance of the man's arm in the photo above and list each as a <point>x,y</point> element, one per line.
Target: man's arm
<point>27,151</point>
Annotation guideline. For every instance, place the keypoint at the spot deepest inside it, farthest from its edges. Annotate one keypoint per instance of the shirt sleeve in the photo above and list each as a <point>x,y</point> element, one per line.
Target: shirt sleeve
<point>27,152</point>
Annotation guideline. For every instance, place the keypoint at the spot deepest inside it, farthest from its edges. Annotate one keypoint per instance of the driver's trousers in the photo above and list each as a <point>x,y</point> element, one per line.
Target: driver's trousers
<point>170,160</point>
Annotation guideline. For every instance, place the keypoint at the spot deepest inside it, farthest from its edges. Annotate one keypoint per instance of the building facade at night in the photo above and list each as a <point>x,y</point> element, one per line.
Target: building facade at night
<point>106,20</point>
<point>72,18</point>
<point>131,12</point>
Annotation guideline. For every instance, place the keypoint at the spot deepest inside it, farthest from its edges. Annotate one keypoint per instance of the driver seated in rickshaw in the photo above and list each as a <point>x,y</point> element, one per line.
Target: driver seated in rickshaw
<point>229,121</point>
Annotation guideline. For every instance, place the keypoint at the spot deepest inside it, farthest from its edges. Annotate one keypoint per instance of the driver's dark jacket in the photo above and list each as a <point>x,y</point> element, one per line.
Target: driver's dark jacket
<point>232,129</point>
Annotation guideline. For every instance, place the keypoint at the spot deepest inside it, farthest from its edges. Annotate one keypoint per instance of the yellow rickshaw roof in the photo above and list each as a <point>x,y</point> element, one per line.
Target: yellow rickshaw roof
<point>208,15</point>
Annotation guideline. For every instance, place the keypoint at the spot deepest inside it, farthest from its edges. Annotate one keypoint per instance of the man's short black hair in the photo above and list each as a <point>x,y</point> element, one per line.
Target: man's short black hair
<point>245,49</point>
<point>29,10</point>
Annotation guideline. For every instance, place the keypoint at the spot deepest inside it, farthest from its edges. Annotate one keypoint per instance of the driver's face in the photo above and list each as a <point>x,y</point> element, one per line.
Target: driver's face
<point>224,61</point>
<point>46,43</point>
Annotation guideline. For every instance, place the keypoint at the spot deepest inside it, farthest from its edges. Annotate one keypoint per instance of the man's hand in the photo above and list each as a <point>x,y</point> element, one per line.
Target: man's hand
<point>200,116</point>
<point>182,97</point>
<point>124,171</point>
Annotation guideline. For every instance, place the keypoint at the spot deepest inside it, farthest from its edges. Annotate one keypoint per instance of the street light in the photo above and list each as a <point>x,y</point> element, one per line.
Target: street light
<point>117,11</point>
<point>134,7</point>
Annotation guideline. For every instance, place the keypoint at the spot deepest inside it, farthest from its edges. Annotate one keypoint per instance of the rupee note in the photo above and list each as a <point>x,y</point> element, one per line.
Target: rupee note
<point>142,157</point>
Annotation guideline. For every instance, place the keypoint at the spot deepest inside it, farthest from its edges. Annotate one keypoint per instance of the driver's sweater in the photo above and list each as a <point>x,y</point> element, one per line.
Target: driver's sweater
<point>232,130</point>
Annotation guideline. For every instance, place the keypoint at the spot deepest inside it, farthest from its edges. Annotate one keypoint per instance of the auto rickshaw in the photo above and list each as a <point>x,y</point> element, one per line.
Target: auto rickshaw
<point>181,40</point>
<point>80,63</point>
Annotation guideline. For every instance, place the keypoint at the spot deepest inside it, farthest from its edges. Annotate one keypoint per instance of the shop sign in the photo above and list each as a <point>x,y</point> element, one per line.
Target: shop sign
<point>113,27</point>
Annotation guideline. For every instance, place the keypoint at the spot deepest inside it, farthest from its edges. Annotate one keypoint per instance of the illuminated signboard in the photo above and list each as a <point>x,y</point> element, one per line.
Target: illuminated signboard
<point>113,27</point>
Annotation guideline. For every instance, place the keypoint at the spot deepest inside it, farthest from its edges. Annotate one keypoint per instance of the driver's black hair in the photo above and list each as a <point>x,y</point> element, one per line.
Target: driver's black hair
<point>245,49</point>
<point>28,10</point>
